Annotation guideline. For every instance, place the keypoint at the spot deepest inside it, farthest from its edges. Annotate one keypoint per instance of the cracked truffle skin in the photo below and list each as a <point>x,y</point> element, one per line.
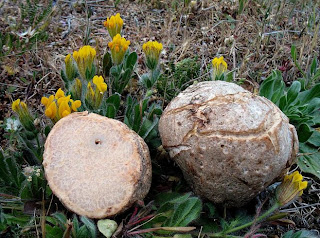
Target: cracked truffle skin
<point>95,165</point>
<point>229,143</point>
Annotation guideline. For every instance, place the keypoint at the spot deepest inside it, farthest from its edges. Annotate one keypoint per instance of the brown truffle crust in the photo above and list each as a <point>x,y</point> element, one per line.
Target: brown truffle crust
<point>96,166</point>
<point>229,143</point>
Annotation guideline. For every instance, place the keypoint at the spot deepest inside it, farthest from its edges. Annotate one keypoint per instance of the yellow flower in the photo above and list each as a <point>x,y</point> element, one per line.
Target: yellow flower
<point>24,115</point>
<point>15,105</point>
<point>219,67</point>
<point>59,94</point>
<point>85,58</point>
<point>118,47</point>
<point>68,59</point>
<point>58,106</point>
<point>152,50</point>
<point>51,110</point>
<point>64,109</point>
<point>99,82</point>
<point>19,107</point>
<point>47,101</point>
<point>23,105</point>
<point>219,63</point>
<point>94,97</point>
<point>291,187</point>
<point>114,25</point>
<point>63,99</point>
<point>75,104</point>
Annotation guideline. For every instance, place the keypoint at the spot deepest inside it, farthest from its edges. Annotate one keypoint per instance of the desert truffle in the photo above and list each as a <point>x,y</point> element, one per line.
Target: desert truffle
<point>96,166</point>
<point>229,143</point>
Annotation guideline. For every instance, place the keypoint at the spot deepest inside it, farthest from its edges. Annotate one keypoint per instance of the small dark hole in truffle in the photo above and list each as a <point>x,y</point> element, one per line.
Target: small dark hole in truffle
<point>97,142</point>
<point>222,146</point>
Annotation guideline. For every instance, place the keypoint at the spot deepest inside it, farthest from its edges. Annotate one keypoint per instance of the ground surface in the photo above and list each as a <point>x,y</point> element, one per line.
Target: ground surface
<point>253,44</point>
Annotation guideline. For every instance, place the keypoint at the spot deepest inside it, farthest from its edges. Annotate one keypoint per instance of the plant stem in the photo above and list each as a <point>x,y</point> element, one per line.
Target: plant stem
<point>259,219</point>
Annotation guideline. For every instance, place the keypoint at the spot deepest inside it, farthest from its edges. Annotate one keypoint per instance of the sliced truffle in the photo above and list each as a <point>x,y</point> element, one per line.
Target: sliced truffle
<point>96,166</point>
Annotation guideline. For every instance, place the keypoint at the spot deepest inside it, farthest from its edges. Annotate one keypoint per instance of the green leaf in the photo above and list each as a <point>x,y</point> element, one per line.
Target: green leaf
<point>294,52</point>
<point>63,76</point>
<point>90,74</point>
<point>304,132</point>
<point>314,139</point>
<point>172,197</point>
<point>211,208</point>
<point>293,91</point>
<point>147,126</point>
<point>106,64</point>
<point>273,87</point>
<point>310,164</point>
<point>47,130</point>
<point>112,104</point>
<point>61,218</point>
<point>185,213</point>
<point>83,232</point>
<point>131,60</point>
<point>313,105</point>
<point>75,225</point>
<point>306,96</point>
<point>114,71</point>
<point>53,232</point>
<point>107,227</point>
<point>313,66</point>
<point>241,6</point>
<point>301,234</point>
<point>90,226</point>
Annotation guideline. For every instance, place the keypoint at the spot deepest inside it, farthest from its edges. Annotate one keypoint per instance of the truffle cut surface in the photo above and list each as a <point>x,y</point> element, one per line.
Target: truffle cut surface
<point>96,166</point>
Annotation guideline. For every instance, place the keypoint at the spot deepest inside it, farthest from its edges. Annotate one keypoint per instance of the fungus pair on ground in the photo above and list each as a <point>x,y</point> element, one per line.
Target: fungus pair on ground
<point>229,144</point>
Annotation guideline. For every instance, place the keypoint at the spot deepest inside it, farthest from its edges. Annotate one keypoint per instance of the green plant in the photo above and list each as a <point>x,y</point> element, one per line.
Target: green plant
<point>115,3</point>
<point>178,77</point>
<point>35,18</point>
<point>121,74</point>
<point>19,187</point>
<point>302,108</point>
<point>311,76</point>
<point>57,225</point>
<point>143,117</point>
<point>11,176</point>
<point>301,234</point>
<point>171,215</point>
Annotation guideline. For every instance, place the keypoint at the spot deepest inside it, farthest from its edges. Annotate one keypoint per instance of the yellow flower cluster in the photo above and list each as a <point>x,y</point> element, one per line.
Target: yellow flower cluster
<point>118,46</point>
<point>24,115</point>
<point>84,58</point>
<point>19,107</point>
<point>58,106</point>
<point>94,98</point>
<point>219,63</point>
<point>114,25</point>
<point>291,188</point>
<point>100,84</point>
<point>219,67</point>
<point>152,50</point>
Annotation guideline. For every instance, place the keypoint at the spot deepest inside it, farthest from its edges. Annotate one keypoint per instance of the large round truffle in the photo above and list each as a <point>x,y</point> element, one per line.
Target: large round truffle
<point>96,166</point>
<point>229,143</point>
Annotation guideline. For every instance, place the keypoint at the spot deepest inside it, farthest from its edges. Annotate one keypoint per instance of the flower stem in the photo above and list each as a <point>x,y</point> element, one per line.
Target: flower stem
<point>259,219</point>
